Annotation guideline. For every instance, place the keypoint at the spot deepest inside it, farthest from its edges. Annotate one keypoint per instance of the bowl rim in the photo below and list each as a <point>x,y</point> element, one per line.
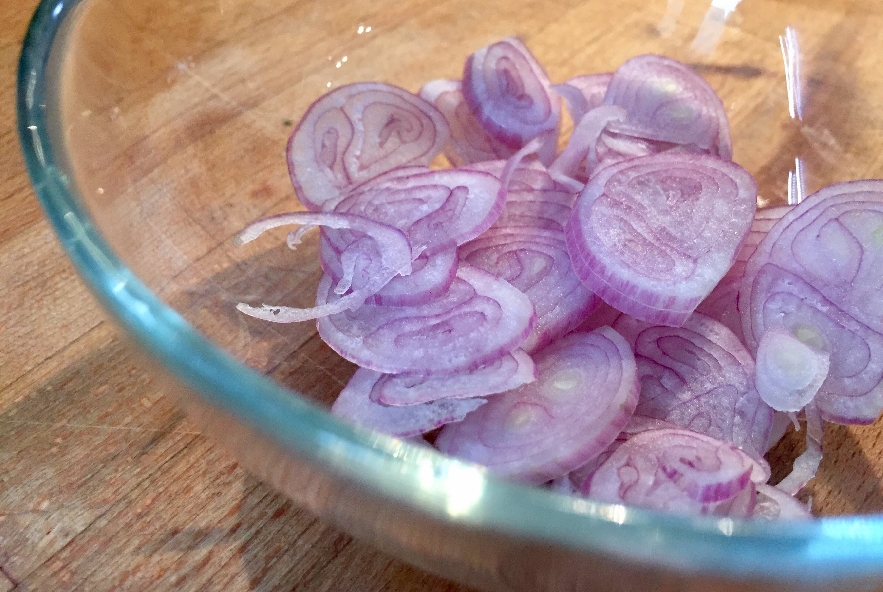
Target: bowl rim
<point>820,550</point>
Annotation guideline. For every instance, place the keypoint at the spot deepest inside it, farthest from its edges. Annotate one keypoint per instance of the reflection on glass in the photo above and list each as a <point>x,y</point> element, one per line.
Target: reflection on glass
<point>796,183</point>
<point>712,27</point>
<point>793,84</point>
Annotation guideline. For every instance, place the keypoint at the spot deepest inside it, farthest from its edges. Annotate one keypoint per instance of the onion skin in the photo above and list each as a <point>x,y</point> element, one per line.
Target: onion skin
<point>585,392</point>
<point>816,274</point>
<point>652,236</point>
<point>356,132</point>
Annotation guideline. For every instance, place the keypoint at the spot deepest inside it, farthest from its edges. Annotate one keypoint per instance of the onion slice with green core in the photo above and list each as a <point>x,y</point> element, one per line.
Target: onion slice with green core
<point>354,403</point>
<point>356,132</point>
<point>652,236</point>
<point>585,392</point>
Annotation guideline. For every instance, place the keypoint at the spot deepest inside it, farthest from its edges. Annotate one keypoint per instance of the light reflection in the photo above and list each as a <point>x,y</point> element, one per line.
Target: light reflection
<point>725,525</point>
<point>796,183</point>
<point>462,486</point>
<point>57,10</point>
<point>615,513</point>
<point>712,27</point>
<point>793,82</point>
<point>363,29</point>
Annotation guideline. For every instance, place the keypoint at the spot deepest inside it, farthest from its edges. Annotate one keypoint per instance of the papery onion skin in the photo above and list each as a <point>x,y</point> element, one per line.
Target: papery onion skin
<point>817,275</point>
<point>652,236</point>
<point>585,392</point>
<point>479,320</point>
<point>356,132</point>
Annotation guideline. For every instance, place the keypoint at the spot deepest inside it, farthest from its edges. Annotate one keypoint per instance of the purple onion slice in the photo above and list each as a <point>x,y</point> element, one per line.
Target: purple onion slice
<point>806,465</point>
<point>437,210</point>
<point>354,404</point>
<point>534,259</point>
<point>469,142</point>
<point>480,319</point>
<point>583,93</point>
<point>430,277</point>
<point>723,302</point>
<point>357,132</point>
<point>377,254</point>
<point>699,377</point>
<point>510,94</point>
<point>582,147</point>
<point>652,236</point>
<point>817,275</point>
<point>789,372</point>
<point>585,391</point>
<point>507,373</point>
<point>666,101</point>
<point>675,470</point>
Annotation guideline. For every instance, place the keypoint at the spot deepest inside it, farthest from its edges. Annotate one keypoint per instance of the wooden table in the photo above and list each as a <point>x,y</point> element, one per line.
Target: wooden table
<point>104,484</point>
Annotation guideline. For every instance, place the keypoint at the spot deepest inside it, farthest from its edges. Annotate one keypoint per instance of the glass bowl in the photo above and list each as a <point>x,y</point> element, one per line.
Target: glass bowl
<point>154,130</point>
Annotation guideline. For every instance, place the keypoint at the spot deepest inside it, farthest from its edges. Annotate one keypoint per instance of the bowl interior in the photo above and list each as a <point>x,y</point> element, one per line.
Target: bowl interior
<point>172,134</point>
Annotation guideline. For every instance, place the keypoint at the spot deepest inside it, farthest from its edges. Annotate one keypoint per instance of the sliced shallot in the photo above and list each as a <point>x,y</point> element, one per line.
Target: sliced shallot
<point>585,392</point>
<point>356,132</point>
<point>700,377</point>
<point>507,373</point>
<point>676,470</point>
<point>480,319</point>
<point>652,236</point>
<point>583,93</point>
<point>510,94</point>
<point>469,142</point>
<point>354,404</point>
<point>667,101</point>
<point>817,275</point>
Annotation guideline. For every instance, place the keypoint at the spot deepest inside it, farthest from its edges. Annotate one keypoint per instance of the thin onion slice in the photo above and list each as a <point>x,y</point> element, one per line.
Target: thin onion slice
<point>469,142</point>
<point>507,373</point>
<point>585,391</point>
<point>775,504</point>
<point>789,372</point>
<point>817,275</point>
<point>384,253</point>
<point>806,465</point>
<point>666,101</point>
<point>699,377</point>
<point>354,404</point>
<point>356,132</point>
<point>675,470</point>
<point>509,93</point>
<point>652,236</point>
<point>583,93</point>
<point>480,319</point>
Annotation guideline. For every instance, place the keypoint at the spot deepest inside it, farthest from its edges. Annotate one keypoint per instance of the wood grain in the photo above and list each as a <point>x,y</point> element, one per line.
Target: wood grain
<point>104,483</point>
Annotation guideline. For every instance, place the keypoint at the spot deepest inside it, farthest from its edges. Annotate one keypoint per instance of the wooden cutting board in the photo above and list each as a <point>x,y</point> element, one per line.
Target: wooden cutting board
<point>104,484</point>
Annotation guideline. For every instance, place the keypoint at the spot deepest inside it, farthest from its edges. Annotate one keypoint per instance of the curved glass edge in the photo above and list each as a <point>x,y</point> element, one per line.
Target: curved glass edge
<point>819,550</point>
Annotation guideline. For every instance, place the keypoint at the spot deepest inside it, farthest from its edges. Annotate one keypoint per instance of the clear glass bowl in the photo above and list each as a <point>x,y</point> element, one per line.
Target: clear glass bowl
<point>154,130</point>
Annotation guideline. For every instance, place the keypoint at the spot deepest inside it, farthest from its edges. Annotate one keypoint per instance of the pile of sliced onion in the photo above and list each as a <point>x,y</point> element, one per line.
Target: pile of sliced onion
<point>616,319</point>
